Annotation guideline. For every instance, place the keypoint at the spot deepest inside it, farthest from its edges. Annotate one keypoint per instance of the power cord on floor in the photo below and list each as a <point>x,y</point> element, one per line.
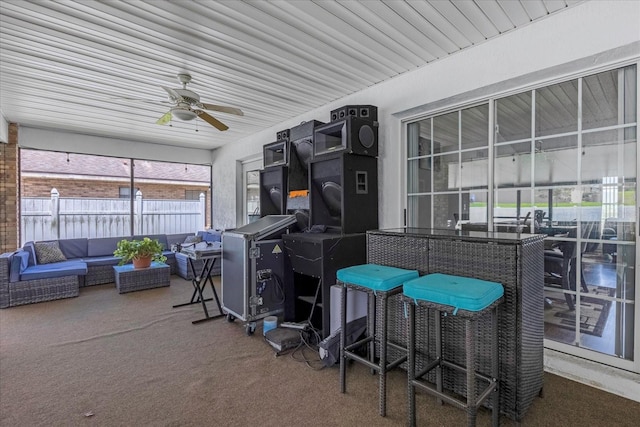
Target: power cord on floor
<point>307,351</point>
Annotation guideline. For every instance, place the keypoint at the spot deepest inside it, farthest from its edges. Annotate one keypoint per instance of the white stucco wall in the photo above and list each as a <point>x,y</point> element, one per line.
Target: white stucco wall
<point>513,60</point>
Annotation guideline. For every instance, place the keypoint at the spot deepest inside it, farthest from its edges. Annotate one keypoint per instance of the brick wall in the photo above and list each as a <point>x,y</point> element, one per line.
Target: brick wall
<point>9,189</point>
<point>41,187</point>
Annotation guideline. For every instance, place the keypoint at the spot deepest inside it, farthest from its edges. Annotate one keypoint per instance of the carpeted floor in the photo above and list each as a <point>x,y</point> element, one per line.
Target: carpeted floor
<point>105,359</point>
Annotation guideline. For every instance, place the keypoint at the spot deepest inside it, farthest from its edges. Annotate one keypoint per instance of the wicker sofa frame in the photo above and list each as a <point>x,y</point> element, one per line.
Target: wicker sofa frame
<point>34,291</point>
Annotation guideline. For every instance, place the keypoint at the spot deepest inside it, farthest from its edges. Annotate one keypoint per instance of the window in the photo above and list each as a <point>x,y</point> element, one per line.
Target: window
<point>448,168</point>
<point>192,194</point>
<point>124,192</point>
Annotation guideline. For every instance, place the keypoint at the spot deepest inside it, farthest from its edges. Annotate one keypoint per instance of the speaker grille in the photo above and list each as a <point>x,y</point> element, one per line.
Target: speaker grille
<point>369,112</point>
<point>366,136</point>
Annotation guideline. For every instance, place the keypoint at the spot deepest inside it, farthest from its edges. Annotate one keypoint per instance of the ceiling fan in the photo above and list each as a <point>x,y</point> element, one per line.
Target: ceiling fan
<point>187,106</point>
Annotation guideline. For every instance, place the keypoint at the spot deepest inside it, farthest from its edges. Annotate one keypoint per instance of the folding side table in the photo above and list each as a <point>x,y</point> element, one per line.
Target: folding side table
<point>208,252</point>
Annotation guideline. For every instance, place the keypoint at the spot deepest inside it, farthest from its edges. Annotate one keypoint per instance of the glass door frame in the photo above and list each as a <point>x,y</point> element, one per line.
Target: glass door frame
<point>608,359</point>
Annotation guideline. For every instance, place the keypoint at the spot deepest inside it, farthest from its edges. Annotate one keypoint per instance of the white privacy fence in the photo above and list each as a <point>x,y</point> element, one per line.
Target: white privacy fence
<point>68,218</point>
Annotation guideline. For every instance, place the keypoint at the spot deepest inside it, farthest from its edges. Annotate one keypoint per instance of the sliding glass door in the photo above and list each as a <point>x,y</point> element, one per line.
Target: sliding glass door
<point>559,160</point>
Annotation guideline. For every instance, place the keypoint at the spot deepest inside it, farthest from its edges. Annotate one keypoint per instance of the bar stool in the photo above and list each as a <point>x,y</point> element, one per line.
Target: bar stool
<point>468,299</point>
<point>380,283</point>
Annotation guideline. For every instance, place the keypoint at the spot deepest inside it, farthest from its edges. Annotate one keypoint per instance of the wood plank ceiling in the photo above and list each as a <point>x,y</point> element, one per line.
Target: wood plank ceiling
<point>97,67</point>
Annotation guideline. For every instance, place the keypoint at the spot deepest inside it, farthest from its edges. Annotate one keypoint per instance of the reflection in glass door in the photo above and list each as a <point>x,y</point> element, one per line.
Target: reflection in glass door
<point>250,191</point>
<point>575,174</point>
<point>252,195</point>
<point>448,169</point>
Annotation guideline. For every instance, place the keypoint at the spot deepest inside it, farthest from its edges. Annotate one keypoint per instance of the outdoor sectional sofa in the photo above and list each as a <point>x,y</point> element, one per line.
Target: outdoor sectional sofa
<point>23,280</point>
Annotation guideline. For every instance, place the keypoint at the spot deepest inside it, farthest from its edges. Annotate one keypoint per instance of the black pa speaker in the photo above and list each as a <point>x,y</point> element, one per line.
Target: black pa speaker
<point>275,154</point>
<point>349,135</point>
<point>301,138</point>
<point>282,135</point>
<point>273,191</point>
<point>281,153</point>
<point>368,112</point>
<point>343,192</point>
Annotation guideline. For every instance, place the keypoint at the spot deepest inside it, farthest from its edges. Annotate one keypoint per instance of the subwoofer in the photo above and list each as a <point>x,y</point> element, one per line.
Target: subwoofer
<point>351,135</point>
<point>273,191</point>
<point>301,138</point>
<point>343,192</point>
<point>368,112</point>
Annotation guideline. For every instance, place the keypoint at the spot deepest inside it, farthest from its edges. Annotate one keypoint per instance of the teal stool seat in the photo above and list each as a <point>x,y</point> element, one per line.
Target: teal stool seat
<point>467,299</point>
<point>376,277</point>
<point>464,293</point>
<point>379,282</point>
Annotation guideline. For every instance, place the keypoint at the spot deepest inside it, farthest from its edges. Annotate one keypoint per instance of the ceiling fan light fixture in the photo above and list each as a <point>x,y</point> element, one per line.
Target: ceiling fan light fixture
<point>184,114</point>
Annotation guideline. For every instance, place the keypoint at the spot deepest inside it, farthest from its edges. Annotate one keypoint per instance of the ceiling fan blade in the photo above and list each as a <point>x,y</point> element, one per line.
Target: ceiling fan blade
<point>212,121</point>
<point>175,96</point>
<point>166,118</point>
<point>221,108</point>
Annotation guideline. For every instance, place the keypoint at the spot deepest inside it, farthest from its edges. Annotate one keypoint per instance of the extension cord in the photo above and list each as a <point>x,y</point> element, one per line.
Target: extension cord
<point>294,325</point>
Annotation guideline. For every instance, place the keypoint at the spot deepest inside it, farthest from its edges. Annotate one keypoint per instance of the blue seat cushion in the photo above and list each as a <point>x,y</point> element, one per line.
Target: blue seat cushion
<point>102,260</point>
<point>74,248</point>
<point>376,277</point>
<point>465,293</point>
<point>56,269</point>
<point>31,249</point>
<point>210,235</point>
<point>102,246</point>
<point>161,238</point>
<point>19,263</point>
<point>129,267</point>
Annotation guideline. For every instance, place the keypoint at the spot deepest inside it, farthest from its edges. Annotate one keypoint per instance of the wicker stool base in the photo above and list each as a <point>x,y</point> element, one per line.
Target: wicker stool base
<point>474,397</point>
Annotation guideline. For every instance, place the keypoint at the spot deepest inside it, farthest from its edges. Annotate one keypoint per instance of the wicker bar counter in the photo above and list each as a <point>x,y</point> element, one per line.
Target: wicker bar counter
<point>516,261</point>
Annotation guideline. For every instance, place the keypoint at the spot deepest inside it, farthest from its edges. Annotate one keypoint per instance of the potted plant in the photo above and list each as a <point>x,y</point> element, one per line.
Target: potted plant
<point>140,252</point>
